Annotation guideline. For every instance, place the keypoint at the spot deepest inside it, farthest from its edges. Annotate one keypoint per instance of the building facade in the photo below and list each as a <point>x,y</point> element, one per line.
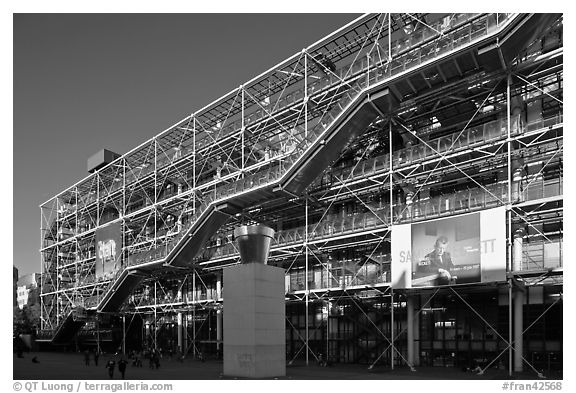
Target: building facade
<point>26,284</point>
<point>411,166</point>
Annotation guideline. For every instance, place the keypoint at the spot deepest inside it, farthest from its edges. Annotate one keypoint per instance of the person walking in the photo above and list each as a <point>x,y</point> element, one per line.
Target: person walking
<point>110,366</point>
<point>86,357</point>
<point>122,366</point>
<point>157,360</point>
<point>151,359</point>
<point>96,356</point>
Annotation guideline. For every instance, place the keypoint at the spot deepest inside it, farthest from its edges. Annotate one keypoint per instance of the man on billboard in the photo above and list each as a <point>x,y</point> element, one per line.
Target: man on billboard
<point>467,249</point>
<point>436,265</point>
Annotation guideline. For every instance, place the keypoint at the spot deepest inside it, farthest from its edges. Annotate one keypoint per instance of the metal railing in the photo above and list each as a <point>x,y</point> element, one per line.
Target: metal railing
<point>446,205</point>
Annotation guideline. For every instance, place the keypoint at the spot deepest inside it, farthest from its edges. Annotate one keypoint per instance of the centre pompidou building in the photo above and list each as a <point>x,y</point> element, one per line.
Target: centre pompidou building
<point>411,166</point>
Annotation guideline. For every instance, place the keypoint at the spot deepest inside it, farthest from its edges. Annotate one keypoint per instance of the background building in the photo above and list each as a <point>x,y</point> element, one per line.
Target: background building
<point>362,151</point>
<point>15,286</point>
<point>26,285</point>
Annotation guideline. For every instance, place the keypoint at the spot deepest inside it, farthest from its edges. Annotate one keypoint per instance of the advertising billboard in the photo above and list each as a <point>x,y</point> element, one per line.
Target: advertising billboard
<point>108,250</point>
<point>468,248</point>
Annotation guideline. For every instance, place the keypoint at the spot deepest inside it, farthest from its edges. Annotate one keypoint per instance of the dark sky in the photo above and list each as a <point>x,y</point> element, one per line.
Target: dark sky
<point>83,82</point>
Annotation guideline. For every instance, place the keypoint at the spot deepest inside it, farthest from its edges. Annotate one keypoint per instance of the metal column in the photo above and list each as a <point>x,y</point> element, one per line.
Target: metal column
<point>155,315</point>
<point>179,331</point>
<point>509,216</point>
<point>510,332</point>
<point>194,314</point>
<point>391,222</point>
<point>124,334</point>
<point>306,280</point>
<point>518,329</point>
<point>410,328</point>
<point>219,313</point>
<point>392,328</point>
<point>98,350</point>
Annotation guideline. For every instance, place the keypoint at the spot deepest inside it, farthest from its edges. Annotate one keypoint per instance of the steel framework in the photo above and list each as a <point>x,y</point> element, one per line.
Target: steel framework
<point>394,118</point>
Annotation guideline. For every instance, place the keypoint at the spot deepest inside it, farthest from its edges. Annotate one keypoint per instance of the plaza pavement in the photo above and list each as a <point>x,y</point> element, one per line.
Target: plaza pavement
<point>70,366</point>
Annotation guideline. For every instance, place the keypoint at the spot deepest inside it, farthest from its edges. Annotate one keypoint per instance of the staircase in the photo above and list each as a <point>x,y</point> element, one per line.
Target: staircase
<point>70,326</point>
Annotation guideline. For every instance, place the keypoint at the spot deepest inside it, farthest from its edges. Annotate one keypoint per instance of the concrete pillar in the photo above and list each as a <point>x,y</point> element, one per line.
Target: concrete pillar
<point>518,328</point>
<point>254,310</point>
<point>254,321</point>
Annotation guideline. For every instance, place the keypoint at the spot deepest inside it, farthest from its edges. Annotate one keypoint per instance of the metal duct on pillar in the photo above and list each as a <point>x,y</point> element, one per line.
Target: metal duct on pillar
<point>254,243</point>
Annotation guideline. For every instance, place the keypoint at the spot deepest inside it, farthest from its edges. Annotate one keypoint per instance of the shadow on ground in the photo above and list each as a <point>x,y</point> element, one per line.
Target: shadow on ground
<point>71,366</point>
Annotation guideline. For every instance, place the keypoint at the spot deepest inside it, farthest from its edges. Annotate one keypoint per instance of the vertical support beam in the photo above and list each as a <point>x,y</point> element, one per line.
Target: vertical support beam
<point>392,347</point>
<point>42,264</point>
<point>155,174</point>
<point>155,189</point>
<point>509,138</point>
<point>307,295</point>
<point>305,92</point>
<point>155,315</point>
<point>98,334</point>
<point>76,230</point>
<point>518,329</point>
<point>179,219</point>
<point>328,279</point>
<point>58,295</point>
<point>389,40</point>
<point>390,171</point>
<point>367,69</point>
<point>144,335</point>
<point>124,164</point>
<point>327,330</point>
<point>184,333</point>
<point>123,257</point>
<point>390,182</point>
<point>416,324</point>
<point>509,171</point>
<point>97,176</point>
<point>179,331</point>
<point>219,313</point>
<point>510,352</point>
<point>410,328</point>
<point>194,163</point>
<point>242,129</point>
<point>194,314</point>
<point>124,334</point>
<point>518,245</point>
<point>509,234</point>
